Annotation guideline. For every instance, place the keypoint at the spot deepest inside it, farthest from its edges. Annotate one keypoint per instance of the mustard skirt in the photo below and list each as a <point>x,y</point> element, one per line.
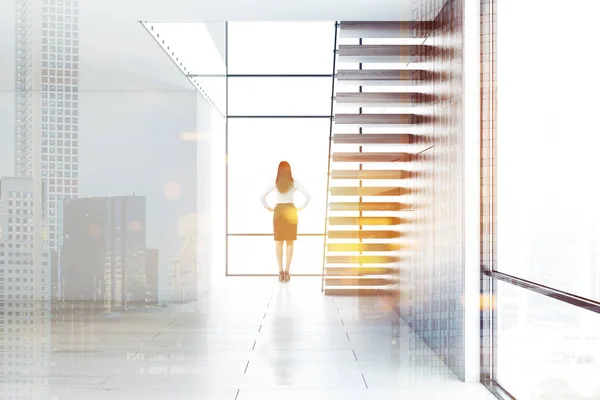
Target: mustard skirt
<point>285,222</point>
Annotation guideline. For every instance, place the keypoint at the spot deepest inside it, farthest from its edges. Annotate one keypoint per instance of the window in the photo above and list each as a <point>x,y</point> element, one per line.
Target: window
<point>277,49</point>
<point>280,139</point>
<point>280,47</point>
<point>308,255</point>
<point>264,96</point>
<point>553,343</point>
<point>561,252</point>
<point>544,337</point>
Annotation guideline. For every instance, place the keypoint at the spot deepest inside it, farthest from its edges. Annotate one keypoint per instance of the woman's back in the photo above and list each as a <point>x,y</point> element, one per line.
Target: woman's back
<point>288,196</point>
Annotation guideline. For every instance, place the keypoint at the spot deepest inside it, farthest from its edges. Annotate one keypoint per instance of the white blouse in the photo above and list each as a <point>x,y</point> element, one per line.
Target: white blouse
<point>287,197</point>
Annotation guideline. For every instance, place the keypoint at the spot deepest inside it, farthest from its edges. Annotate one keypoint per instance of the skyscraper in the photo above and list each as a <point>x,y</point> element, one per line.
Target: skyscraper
<point>47,99</point>
<point>104,250</point>
<point>152,263</point>
<point>184,269</point>
<point>24,290</point>
<point>20,279</point>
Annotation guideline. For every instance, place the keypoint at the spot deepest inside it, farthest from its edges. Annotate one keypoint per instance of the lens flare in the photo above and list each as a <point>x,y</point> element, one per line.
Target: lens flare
<point>95,230</point>
<point>134,226</point>
<point>172,191</point>
<point>193,136</point>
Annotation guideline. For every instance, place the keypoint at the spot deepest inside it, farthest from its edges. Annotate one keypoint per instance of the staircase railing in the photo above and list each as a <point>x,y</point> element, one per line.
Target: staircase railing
<point>333,77</point>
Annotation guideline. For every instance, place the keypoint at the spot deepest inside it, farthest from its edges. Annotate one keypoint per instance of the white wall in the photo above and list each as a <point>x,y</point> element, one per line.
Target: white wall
<point>211,195</point>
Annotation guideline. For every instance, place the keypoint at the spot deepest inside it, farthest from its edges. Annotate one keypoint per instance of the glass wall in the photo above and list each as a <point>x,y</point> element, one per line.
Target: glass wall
<point>551,343</point>
<point>541,222</point>
<point>104,170</point>
<point>548,214</point>
<point>279,109</point>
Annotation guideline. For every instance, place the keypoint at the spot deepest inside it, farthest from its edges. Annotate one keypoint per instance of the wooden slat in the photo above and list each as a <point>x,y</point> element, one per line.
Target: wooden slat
<point>385,29</point>
<point>374,99</point>
<point>380,120</point>
<point>356,247</point>
<point>360,271</point>
<point>369,206</point>
<point>379,53</point>
<point>357,292</point>
<point>369,191</point>
<point>381,77</point>
<point>372,157</point>
<point>350,281</point>
<point>353,234</point>
<point>372,174</point>
<point>362,259</point>
<point>374,138</point>
<point>367,221</point>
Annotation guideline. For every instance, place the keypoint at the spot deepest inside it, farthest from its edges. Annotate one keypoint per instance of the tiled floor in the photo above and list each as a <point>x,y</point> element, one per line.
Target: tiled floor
<point>248,338</point>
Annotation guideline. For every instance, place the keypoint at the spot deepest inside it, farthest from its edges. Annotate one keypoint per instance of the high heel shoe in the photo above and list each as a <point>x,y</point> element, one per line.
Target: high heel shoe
<point>281,276</point>
<point>287,276</point>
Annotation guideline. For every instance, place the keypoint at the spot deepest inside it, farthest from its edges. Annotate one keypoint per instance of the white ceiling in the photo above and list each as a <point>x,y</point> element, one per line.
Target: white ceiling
<point>247,10</point>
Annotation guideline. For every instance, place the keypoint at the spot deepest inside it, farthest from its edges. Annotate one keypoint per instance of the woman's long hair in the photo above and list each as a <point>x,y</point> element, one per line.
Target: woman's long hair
<point>285,180</point>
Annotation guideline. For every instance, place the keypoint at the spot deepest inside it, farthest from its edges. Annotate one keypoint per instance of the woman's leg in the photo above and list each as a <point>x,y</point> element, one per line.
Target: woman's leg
<point>279,254</point>
<point>289,252</point>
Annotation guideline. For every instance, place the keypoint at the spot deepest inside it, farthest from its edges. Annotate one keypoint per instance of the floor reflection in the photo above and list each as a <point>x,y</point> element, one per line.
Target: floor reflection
<point>281,308</point>
<point>248,338</point>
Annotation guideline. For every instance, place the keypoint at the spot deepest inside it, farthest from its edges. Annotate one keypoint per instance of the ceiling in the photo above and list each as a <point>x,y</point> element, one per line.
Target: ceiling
<point>246,10</point>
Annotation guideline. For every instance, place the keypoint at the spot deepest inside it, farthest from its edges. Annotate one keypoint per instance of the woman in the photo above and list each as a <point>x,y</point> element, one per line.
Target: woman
<point>285,215</point>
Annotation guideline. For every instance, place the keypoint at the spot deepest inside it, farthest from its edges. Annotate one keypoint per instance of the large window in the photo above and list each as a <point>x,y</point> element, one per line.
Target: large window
<point>256,146</point>
<point>548,196</point>
<point>541,221</point>
<point>256,96</point>
<point>254,255</point>
<point>546,349</point>
<point>280,47</point>
<point>279,108</point>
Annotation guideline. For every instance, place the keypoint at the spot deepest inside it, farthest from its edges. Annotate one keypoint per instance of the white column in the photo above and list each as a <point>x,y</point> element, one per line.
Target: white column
<point>472,119</point>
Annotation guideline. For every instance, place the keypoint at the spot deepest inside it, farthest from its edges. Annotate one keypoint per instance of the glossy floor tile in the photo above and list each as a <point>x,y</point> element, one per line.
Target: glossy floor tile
<point>247,338</point>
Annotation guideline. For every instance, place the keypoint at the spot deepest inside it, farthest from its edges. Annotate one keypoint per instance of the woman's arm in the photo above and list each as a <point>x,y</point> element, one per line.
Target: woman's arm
<point>263,197</point>
<point>304,192</point>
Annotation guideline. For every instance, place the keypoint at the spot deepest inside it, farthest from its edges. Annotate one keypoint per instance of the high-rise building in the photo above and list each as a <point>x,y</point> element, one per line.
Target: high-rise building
<point>103,254</point>
<point>47,99</point>
<point>152,263</point>
<point>55,275</point>
<point>24,290</point>
<point>20,279</point>
<point>184,269</point>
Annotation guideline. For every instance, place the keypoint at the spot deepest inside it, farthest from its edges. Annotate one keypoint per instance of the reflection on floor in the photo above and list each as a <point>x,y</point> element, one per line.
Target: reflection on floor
<point>249,338</point>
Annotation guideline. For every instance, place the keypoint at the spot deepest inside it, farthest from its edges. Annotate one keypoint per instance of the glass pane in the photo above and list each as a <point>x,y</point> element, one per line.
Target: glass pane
<point>547,349</point>
<point>279,96</point>
<point>170,186</point>
<point>256,146</point>
<point>548,214</point>
<point>280,47</point>
<point>255,255</point>
<point>119,147</point>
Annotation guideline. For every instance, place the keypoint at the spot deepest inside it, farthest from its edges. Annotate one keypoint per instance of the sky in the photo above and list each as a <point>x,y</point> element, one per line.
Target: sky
<point>7,84</point>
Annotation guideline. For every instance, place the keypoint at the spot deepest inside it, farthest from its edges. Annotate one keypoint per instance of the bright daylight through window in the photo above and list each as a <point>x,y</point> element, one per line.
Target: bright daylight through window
<point>289,112</point>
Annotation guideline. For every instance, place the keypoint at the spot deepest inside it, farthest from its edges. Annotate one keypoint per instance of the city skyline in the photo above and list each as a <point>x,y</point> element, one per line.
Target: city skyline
<point>116,105</point>
<point>103,256</point>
